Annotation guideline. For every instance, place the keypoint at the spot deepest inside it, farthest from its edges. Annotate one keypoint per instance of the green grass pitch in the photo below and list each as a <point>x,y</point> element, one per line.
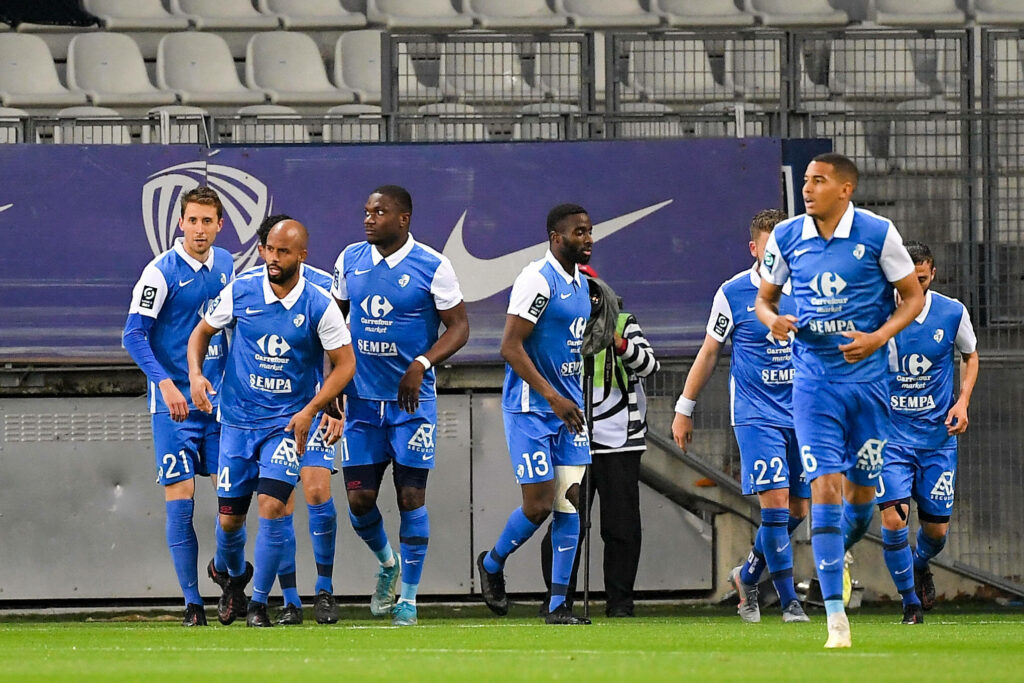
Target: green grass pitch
<point>467,643</point>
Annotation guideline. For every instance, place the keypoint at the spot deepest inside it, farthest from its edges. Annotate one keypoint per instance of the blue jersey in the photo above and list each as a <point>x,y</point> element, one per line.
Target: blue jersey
<point>394,312</point>
<point>761,368</point>
<point>173,292</point>
<point>558,304</point>
<point>923,365</point>
<point>277,351</point>
<point>839,285</point>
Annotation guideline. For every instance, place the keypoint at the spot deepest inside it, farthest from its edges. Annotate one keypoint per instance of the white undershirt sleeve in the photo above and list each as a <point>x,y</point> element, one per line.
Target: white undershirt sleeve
<point>222,313</point>
<point>966,341</point>
<point>774,268</point>
<point>149,293</point>
<point>894,259</point>
<point>445,286</point>
<point>530,295</point>
<point>720,322</point>
<point>332,330</point>
<point>339,288</point>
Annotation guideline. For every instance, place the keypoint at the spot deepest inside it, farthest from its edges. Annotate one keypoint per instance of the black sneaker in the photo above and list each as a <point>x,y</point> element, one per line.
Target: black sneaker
<point>618,611</point>
<point>290,615</point>
<point>219,578</point>
<point>232,603</point>
<point>924,586</point>
<point>563,615</point>
<point>256,616</point>
<point>492,587</point>
<point>195,615</point>
<point>325,609</point>
<point>913,614</point>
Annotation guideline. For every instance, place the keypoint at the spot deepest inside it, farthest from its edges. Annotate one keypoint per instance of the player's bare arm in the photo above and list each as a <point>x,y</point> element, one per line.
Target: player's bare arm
<point>516,331</point>
<point>863,344</point>
<point>766,305</point>
<point>454,337</point>
<point>700,372</point>
<point>956,418</point>
<point>174,400</point>
<point>199,386</point>
<point>344,361</point>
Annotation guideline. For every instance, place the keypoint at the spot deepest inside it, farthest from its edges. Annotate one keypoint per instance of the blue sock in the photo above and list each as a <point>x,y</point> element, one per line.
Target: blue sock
<point>827,542</point>
<point>778,551</point>
<point>517,531</point>
<point>565,535</point>
<point>927,548</point>
<point>856,520</point>
<point>896,552</point>
<point>272,544</point>
<point>230,555</point>
<point>750,574</point>
<point>370,528</point>
<point>323,530</point>
<point>413,535</point>
<point>286,577</point>
<point>184,547</point>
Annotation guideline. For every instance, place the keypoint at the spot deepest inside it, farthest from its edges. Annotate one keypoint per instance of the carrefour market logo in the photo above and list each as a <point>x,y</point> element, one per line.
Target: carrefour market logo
<point>245,198</point>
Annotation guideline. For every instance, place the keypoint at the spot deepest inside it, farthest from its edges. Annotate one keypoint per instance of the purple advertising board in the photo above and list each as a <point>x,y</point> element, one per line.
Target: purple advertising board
<point>671,223</point>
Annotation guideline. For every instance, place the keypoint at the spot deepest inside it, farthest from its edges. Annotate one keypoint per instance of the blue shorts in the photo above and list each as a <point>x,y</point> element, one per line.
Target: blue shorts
<point>768,455</point>
<point>318,453</point>
<point>925,474</point>
<point>248,455</point>
<point>540,442</point>
<point>842,428</point>
<point>185,449</point>
<point>379,431</point>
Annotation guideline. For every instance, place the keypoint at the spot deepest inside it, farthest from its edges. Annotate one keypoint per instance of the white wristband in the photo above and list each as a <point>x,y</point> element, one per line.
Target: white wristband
<point>685,406</point>
<point>424,361</point>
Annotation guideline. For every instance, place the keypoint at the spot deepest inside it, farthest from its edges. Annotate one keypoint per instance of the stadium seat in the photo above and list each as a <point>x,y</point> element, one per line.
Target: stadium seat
<point>109,68</point>
<point>814,67</point>
<point>881,69</point>
<point>1009,75</point>
<point>865,140</point>
<point>267,124</point>
<point>708,13</point>
<point>28,77</point>
<point>447,122</point>
<point>12,122</point>
<point>199,68</point>
<point>796,13</point>
<point>312,15</point>
<point>354,123</point>
<point>731,118</point>
<point>606,14</point>
<point>660,123</point>
<point>919,13</point>
<point>177,124</point>
<point>82,126</point>
<point>221,15</point>
<point>134,15</point>
<point>999,12</point>
<point>288,67</point>
<point>428,15</point>
<point>522,14</point>
<point>757,69</point>
<point>557,70</point>
<point>677,71</point>
<point>547,121</point>
<point>357,64</point>
<point>486,72</point>
<point>930,144</point>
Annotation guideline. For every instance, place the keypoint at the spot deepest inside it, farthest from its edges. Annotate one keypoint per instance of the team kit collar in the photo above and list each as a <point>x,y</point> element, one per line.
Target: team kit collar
<point>395,258</point>
<point>569,279</point>
<point>195,265</point>
<point>269,297</point>
<point>755,279</point>
<point>927,307</point>
<point>810,230</point>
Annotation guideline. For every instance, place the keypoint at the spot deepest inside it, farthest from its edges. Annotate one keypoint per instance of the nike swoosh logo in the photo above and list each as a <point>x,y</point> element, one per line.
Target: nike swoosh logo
<point>562,550</point>
<point>828,564</point>
<point>515,543</point>
<point>182,283</point>
<point>291,474</point>
<point>362,272</point>
<point>779,548</point>
<point>902,571</point>
<point>874,475</point>
<point>949,505</point>
<point>481,278</point>
<point>250,311</point>
<point>750,309</point>
<point>5,207</point>
<point>427,457</point>
<point>321,533</point>
<point>798,252</point>
<point>411,561</point>
<point>565,296</point>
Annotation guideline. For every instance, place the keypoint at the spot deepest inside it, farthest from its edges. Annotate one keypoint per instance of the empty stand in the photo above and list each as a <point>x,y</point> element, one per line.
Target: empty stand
<point>12,125</point>
<point>447,122</point>
<point>519,15</point>
<point>715,13</point>
<point>607,13</point>
<point>1009,75</point>
<point>999,12</point>
<point>357,64</point>
<point>109,68</point>
<point>178,124</point>
<point>757,69</point>
<point>28,77</point>
<point>312,15</point>
<point>920,13</point>
<point>676,71</point>
<point>268,123</point>
<point>632,124</point>
<point>741,120</point>
<point>354,123</point>
<point>883,69</point>
<point>90,126</point>
<point>796,13</point>
<point>547,121</point>
<point>428,15</point>
<point>220,15</point>
<point>135,15</point>
<point>489,72</point>
<point>288,67</point>
<point>867,141</point>
<point>930,140</point>
<point>199,68</point>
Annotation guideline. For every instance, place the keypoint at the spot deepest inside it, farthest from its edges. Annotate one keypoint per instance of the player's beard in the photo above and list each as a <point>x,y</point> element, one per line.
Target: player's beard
<point>282,277</point>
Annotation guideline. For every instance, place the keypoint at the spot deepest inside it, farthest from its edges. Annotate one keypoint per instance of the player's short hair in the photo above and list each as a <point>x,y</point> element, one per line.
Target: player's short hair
<point>919,252</point>
<point>845,168</point>
<point>268,223</point>
<point>765,220</point>
<point>560,213</point>
<point>202,195</point>
<point>399,194</point>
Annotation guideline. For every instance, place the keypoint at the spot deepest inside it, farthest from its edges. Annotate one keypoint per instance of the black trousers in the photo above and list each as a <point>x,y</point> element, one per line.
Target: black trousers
<point>615,477</point>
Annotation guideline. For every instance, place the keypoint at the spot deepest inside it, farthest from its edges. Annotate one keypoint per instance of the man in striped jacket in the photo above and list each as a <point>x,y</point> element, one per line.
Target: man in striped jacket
<point>620,428</point>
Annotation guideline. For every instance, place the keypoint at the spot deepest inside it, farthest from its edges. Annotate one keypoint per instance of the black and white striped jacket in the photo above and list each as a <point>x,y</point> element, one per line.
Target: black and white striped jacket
<point>620,405</point>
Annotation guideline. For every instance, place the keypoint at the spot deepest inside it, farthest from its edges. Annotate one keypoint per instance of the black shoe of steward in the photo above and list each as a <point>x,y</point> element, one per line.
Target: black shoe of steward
<point>492,587</point>
<point>290,615</point>
<point>325,608</point>
<point>195,615</point>
<point>924,586</point>
<point>563,615</point>
<point>256,616</point>
<point>913,614</point>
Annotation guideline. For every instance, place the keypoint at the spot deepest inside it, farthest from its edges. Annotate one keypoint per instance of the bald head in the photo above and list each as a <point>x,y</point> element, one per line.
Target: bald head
<point>285,250</point>
<point>288,230</point>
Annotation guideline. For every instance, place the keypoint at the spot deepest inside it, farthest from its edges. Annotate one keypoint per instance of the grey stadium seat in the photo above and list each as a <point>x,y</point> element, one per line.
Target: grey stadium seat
<point>486,72</point>
<point>109,68</point>
<point>134,15</point>
<point>199,68</point>
<point>214,15</point>
<point>757,69</point>
<point>547,121</point>
<point>659,123</point>
<point>879,69</point>
<point>868,143</point>
<point>288,67</point>
<point>1001,12</point>
<point>796,13</point>
<point>74,127</point>
<point>317,15</point>
<point>1009,73</point>
<point>501,14</point>
<point>357,64</point>
<point>448,122</point>
<point>177,124</point>
<point>416,14</point>
<point>922,13</point>
<point>28,76</point>
<point>354,123</point>
<point>268,123</point>
<point>929,144</point>
<point>12,123</point>
<point>702,13</point>
<point>607,13</point>
<point>678,71</point>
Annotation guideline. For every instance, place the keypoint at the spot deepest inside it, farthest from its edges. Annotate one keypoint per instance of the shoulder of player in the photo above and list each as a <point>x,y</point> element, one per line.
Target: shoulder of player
<point>317,276</point>
<point>872,223</point>
<point>949,303</point>
<point>351,252</point>
<point>788,231</point>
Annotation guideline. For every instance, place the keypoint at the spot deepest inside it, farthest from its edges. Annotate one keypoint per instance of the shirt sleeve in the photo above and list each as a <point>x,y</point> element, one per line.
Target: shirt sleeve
<point>638,356</point>
<point>774,268</point>
<point>221,312</point>
<point>445,287</point>
<point>530,296</point>
<point>720,321</point>
<point>149,293</point>
<point>135,340</point>
<point>894,259</point>
<point>332,330</point>
<point>339,289</point>
<point>966,341</point>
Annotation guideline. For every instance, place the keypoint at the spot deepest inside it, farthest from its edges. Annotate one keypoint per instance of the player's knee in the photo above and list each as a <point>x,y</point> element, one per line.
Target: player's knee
<point>232,512</point>
<point>799,507</point>
<point>316,487</point>
<point>567,487</point>
<point>895,514</point>
<point>537,510</point>
<point>273,497</point>
<point>361,501</point>
<point>410,498</point>
<point>410,486</point>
